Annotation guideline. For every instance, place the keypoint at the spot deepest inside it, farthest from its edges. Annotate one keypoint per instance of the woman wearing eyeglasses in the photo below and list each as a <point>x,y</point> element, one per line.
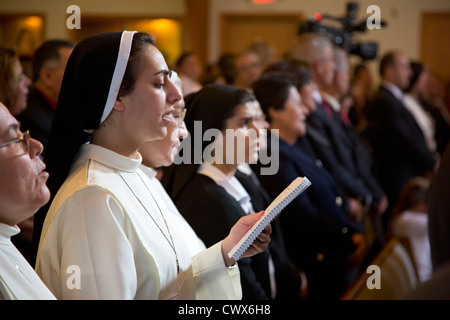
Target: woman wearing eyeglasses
<point>22,192</point>
<point>13,94</point>
<point>107,234</point>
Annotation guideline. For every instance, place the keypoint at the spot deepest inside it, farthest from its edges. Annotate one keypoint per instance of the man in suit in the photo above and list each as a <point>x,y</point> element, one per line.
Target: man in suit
<point>397,143</point>
<point>49,63</point>
<point>354,151</point>
<point>323,135</point>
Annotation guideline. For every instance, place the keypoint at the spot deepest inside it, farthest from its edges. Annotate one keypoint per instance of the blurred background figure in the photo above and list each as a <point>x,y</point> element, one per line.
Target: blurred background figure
<point>361,90</point>
<point>189,70</point>
<point>326,139</point>
<point>398,145</point>
<point>13,82</point>
<point>426,92</point>
<point>439,208</point>
<point>227,67</point>
<point>302,72</point>
<point>413,102</point>
<point>409,221</point>
<point>358,155</point>
<point>265,52</point>
<point>439,234</point>
<point>48,64</point>
<point>248,69</point>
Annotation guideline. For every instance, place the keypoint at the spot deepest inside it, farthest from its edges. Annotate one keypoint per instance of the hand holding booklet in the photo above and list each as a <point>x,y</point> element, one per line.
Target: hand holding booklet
<point>284,198</point>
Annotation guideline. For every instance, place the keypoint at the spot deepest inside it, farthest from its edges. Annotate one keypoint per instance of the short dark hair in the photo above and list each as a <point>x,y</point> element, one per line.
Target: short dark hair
<point>183,57</point>
<point>49,50</point>
<point>358,69</point>
<point>300,69</point>
<point>227,67</point>
<point>417,69</point>
<point>387,60</point>
<point>241,97</point>
<point>272,90</point>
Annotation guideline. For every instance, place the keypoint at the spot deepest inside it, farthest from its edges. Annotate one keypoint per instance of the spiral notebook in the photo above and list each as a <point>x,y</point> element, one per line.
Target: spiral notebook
<point>284,198</point>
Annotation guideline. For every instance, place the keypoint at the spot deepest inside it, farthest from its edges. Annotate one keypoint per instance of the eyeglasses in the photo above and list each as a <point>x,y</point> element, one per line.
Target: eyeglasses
<point>178,116</point>
<point>24,142</point>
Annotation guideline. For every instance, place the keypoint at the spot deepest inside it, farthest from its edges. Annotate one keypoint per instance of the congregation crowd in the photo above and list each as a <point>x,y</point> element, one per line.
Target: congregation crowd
<point>89,177</point>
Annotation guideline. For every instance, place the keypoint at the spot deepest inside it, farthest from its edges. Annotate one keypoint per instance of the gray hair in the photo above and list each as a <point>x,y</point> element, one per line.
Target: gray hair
<point>309,47</point>
<point>341,60</point>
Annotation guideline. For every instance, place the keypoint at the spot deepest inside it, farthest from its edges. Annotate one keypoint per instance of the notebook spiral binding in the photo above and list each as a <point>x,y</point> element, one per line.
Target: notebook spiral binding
<point>296,187</point>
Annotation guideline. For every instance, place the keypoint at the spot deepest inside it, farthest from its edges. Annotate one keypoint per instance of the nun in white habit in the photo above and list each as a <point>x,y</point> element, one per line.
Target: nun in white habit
<point>108,234</point>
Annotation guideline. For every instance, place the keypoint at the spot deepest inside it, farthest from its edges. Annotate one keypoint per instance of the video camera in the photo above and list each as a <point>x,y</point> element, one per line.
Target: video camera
<point>343,37</point>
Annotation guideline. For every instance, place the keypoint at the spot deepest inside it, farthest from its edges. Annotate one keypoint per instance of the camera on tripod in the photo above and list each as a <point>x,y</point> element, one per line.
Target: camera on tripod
<point>342,37</point>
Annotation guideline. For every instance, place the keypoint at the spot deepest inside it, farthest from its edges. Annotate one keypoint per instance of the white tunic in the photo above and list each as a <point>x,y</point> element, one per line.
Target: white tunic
<point>97,225</point>
<point>18,280</point>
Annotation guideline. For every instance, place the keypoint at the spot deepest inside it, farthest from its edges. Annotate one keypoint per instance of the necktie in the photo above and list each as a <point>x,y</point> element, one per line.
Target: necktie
<point>327,109</point>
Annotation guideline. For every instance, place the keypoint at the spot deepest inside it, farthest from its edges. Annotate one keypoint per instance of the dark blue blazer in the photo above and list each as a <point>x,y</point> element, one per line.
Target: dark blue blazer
<point>316,230</point>
<point>337,154</point>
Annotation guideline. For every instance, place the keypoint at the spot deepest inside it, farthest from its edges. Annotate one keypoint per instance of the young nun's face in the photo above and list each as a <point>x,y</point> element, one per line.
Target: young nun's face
<point>246,125</point>
<point>23,188</point>
<point>150,104</point>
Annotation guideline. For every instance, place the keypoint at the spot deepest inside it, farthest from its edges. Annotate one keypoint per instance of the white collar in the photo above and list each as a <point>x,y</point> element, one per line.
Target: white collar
<point>150,172</point>
<point>245,168</point>
<point>393,89</point>
<point>109,157</point>
<point>229,183</point>
<point>332,101</point>
<point>6,232</point>
<point>317,96</point>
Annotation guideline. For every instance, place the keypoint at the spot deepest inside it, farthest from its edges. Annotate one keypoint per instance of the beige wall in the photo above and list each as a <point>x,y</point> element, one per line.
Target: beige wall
<point>56,16</point>
<point>403,16</point>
